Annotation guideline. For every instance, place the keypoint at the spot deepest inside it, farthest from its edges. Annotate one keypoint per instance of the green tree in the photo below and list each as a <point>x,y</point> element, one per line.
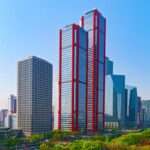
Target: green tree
<point>92,145</point>
<point>46,146</point>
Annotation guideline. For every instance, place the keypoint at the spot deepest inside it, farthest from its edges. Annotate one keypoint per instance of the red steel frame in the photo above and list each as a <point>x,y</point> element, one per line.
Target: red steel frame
<point>75,27</point>
<point>73,127</point>
<point>97,61</point>
<point>104,72</point>
<point>94,62</point>
<point>82,25</point>
<point>93,76</point>
<point>77,75</point>
<point>82,22</point>
<point>96,13</point>
<point>72,124</point>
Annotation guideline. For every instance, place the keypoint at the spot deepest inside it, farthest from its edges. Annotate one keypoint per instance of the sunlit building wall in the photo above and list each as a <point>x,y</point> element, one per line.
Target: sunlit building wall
<point>95,24</point>
<point>73,53</point>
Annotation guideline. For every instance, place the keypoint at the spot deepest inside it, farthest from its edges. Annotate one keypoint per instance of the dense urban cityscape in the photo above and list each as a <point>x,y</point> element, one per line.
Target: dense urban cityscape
<point>92,102</point>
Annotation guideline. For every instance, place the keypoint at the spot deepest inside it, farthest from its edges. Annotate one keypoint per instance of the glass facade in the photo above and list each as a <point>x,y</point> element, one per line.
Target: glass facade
<point>109,66</point>
<point>146,113</point>
<point>140,113</point>
<point>95,24</point>
<point>35,95</point>
<point>110,95</point>
<point>109,99</point>
<point>132,106</point>
<point>119,99</point>
<point>72,78</point>
<point>115,109</point>
<point>12,104</point>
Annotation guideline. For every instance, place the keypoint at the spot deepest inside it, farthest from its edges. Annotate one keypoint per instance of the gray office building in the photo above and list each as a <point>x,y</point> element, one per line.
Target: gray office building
<point>34,95</point>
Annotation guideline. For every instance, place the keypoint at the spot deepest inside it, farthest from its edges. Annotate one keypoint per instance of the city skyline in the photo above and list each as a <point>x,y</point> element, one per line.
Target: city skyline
<point>37,34</point>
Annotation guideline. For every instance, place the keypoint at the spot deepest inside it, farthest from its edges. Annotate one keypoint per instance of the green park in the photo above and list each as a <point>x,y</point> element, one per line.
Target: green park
<point>67,140</point>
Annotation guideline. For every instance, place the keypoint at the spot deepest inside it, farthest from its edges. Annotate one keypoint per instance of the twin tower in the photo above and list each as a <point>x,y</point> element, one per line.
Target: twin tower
<point>82,50</point>
<point>81,100</point>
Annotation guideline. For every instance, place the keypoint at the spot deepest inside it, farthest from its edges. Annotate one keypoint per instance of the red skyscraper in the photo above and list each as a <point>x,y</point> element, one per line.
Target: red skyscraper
<point>95,24</point>
<point>82,74</point>
<point>72,78</point>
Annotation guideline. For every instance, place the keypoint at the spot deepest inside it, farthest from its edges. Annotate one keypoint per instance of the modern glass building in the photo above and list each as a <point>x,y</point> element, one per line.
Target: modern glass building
<point>11,121</point>
<point>119,91</point>
<point>34,95</point>
<point>140,114</point>
<point>3,115</point>
<point>95,24</point>
<point>12,104</point>
<point>146,111</point>
<point>109,66</point>
<point>110,96</point>
<point>115,110</point>
<point>131,106</point>
<point>110,101</point>
<point>109,93</point>
<point>73,78</point>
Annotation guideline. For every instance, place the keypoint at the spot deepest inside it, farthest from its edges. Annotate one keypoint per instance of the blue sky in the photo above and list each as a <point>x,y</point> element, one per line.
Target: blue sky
<point>30,27</point>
